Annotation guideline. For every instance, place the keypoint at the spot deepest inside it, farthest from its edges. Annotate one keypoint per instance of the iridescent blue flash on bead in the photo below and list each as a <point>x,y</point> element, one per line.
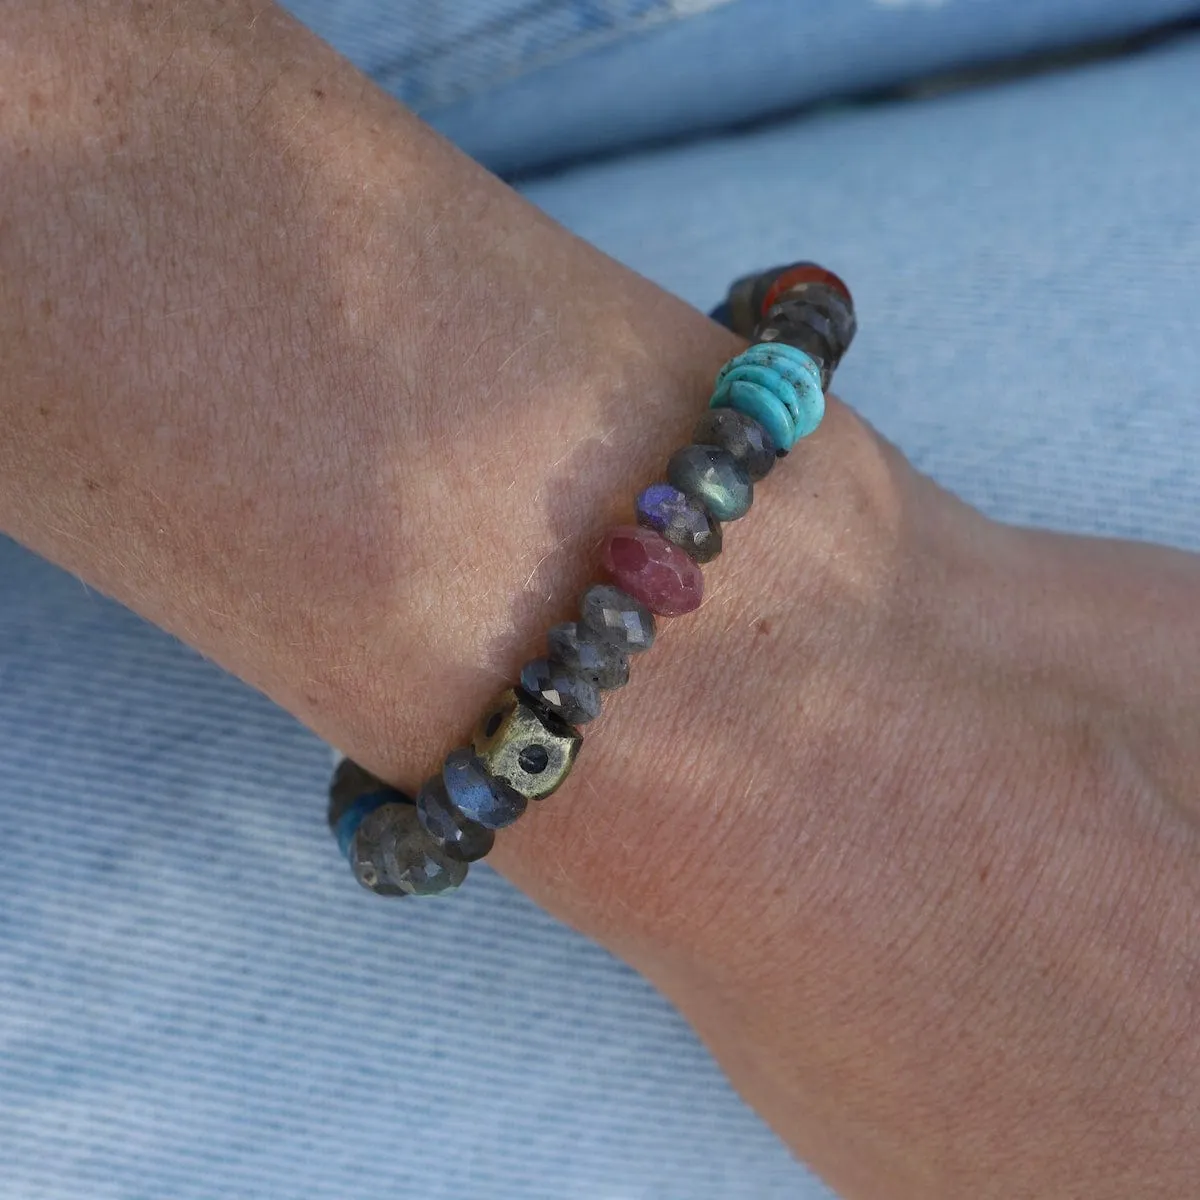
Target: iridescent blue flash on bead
<point>352,818</point>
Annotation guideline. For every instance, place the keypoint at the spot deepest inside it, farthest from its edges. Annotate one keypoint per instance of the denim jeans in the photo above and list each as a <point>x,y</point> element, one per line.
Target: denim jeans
<point>197,1001</point>
<point>520,84</point>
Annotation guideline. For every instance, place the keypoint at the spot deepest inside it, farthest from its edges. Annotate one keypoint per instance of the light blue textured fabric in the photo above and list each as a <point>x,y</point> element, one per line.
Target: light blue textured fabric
<point>624,71</point>
<point>195,999</point>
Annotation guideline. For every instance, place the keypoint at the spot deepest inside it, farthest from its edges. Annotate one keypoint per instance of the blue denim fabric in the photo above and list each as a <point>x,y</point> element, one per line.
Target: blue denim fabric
<point>522,83</point>
<point>196,1001</point>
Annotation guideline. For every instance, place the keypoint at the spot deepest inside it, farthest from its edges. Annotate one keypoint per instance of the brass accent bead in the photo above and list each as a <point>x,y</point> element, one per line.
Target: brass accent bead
<point>528,747</point>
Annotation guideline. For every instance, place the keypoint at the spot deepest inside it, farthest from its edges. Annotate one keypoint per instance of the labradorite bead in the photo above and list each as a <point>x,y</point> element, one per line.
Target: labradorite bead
<point>525,745</point>
<point>814,318</point>
<point>808,328</point>
<point>679,519</point>
<point>356,812</point>
<point>476,794</point>
<point>745,439</point>
<point>741,306</point>
<point>714,478</point>
<point>605,665</point>
<point>393,856</point>
<point>563,691</point>
<point>616,617</point>
<point>459,836</point>
<point>837,313</point>
<point>354,793</point>
<point>349,784</point>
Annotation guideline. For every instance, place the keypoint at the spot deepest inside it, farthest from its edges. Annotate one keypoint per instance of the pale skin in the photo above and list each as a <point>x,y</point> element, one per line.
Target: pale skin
<point>906,819</point>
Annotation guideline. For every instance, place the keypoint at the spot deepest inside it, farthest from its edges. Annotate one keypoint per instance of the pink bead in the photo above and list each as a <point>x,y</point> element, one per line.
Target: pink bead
<point>650,569</point>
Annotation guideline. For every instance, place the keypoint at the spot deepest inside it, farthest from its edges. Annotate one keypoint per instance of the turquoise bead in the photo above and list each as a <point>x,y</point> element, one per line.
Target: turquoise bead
<point>778,386</point>
<point>761,405</point>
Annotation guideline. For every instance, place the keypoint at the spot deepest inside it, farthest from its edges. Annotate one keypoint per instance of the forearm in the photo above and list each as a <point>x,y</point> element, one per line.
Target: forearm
<point>296,380</point>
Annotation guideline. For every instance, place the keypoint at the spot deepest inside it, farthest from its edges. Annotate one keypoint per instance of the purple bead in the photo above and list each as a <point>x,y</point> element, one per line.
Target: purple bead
<point>679,519</point>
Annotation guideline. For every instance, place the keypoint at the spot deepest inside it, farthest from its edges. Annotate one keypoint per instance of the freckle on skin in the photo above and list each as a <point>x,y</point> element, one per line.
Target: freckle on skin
<point>762,625</point>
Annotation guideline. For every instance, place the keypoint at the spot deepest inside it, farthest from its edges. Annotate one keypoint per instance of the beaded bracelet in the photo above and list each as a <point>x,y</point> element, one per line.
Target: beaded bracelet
<point>801,321</point>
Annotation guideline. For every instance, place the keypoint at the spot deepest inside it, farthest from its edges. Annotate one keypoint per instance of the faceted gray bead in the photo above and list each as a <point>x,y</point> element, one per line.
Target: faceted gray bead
<point>680,520</point>
<point>599,662</point>
<point>743,301</point>
<point>749,443</point>
<point>349,783</point>
<point>488,802</point>
<point>803,337</point>
<point>458,835</point>
<point>393,856</point>
<point>616,617</point>
<point>824,309</point>
<point>561,690</point>
<point>713,477</point>
<point>814,318</point>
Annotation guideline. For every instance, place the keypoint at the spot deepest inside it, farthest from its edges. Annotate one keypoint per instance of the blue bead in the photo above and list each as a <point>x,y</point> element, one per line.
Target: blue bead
<point>776,384</point>
<point>352,818</point>
<point>458,836</point>
<point>683,521</point>
<point>487,801</point>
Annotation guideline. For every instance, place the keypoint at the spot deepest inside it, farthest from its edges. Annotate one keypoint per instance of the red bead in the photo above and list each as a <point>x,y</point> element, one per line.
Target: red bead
<point>644,564</point>
<point>803,273</point>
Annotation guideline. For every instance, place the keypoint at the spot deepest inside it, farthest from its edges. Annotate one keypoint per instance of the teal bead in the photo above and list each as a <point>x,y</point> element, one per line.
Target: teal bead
<point>713,478</point>
<point>761,405</point>
<point>778,386</point>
